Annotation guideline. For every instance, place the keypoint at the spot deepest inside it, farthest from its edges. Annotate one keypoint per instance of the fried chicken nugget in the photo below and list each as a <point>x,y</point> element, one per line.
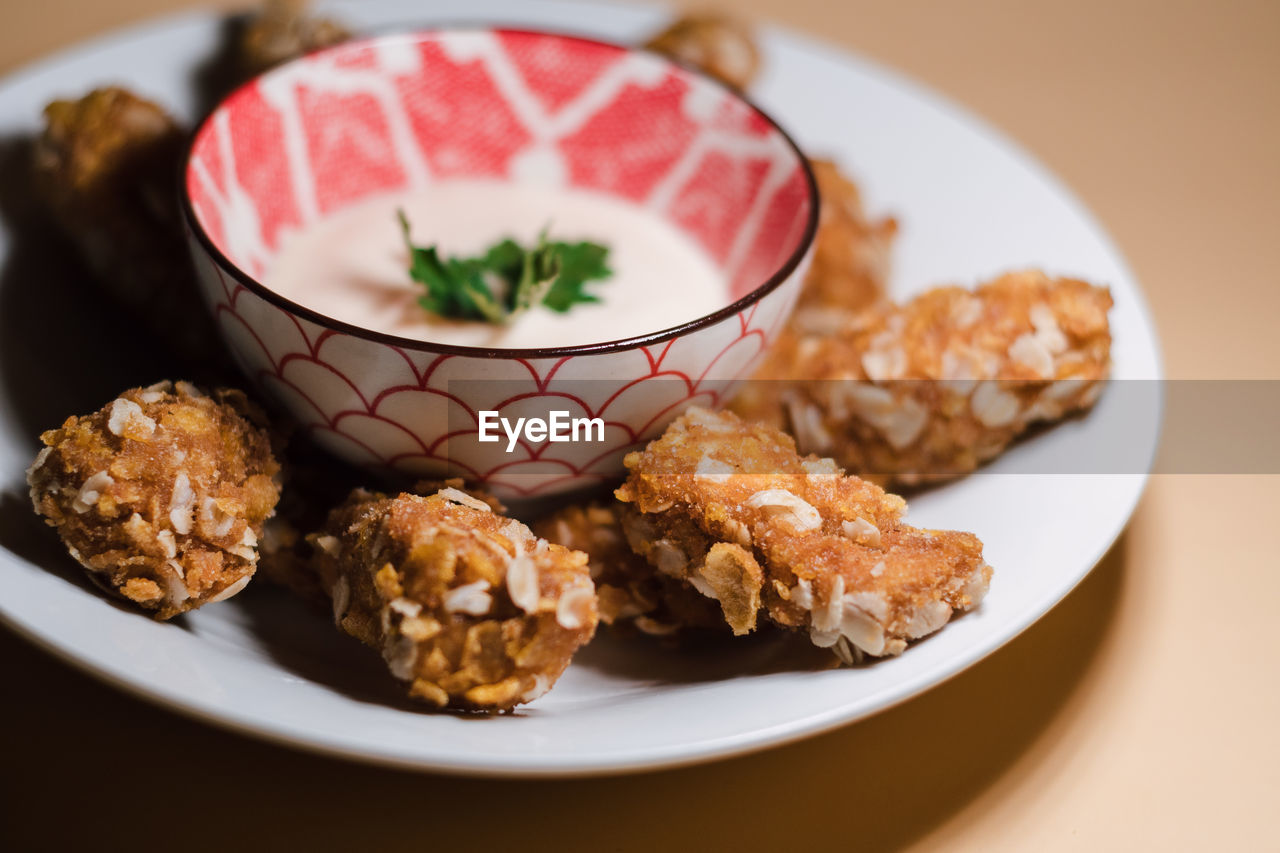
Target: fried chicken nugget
<point>466,606</point>
<point>161,494</point>
<point>719,45</point>
<point>732,509</point>
<point>629,591</point>
<point>932,389</point>
<point>282,30</point>
<point>106,167</point>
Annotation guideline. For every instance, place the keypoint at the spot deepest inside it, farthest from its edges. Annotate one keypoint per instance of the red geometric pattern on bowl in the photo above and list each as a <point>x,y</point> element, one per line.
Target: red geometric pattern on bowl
<point>400,112</point>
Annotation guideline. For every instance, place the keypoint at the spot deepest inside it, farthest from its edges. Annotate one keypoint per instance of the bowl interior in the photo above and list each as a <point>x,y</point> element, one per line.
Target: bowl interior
<point>402,112</point>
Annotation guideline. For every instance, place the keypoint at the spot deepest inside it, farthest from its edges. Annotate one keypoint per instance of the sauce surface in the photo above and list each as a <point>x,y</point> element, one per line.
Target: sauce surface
<point>352,265</point>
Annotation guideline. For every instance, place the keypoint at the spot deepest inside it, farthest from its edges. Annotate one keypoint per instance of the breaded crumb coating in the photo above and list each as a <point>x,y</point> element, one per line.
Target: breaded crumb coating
<point>282,30</point>
<point>721,46</point>
<point>931,389</point>
<point>313,486</point>
<point>735,511</point>
<point>629,591</point>
<point>161,494</point>
<point>467,607</point>
<point>106,166</point>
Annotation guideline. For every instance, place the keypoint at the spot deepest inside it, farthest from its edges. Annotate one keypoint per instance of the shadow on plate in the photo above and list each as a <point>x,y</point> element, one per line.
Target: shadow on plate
<point>702,658</point>
<point>303,641</point>
<point>878,785</point>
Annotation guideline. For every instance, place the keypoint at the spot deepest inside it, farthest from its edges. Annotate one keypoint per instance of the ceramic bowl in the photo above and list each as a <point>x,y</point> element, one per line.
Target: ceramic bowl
<point>408,110</point>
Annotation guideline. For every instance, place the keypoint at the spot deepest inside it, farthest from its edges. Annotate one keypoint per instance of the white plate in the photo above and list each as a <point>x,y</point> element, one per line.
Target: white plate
<point>971,203</point>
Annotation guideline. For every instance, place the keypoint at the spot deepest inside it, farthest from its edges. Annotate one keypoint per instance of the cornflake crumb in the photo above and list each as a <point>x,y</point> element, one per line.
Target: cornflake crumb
<point>823,553</point>
<point>468,607</point>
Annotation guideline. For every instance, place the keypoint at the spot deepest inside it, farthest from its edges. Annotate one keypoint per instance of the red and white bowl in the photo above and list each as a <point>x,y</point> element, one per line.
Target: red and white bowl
<point>403,111</point>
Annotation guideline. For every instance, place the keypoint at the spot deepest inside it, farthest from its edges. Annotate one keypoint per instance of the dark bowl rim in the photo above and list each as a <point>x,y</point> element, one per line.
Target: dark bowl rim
<point>736,307</point>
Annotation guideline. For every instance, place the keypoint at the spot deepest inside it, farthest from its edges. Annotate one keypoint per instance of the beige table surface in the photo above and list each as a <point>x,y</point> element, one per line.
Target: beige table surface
<point>1142,713</point>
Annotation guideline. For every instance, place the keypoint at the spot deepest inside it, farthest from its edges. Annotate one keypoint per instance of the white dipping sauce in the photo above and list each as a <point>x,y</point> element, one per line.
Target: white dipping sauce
<point>352,265</point>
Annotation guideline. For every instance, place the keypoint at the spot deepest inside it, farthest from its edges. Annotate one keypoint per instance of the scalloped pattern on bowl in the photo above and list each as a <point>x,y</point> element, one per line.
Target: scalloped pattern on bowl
<point>401,112</point>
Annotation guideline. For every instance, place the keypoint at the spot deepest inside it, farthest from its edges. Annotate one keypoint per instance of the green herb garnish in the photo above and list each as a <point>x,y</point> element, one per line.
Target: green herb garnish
<point>506,280</point>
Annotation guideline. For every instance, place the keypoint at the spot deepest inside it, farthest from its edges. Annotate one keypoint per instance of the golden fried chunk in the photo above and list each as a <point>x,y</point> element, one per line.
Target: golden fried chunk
<point>314,483</point>
<point>933,388</point>
<point>106,166</point>
<point>734,510</point>
<point>468,607</point>
<point>161,494</point>
<point>721,46</point>
<point>282,30</point>
<point>629,591</point>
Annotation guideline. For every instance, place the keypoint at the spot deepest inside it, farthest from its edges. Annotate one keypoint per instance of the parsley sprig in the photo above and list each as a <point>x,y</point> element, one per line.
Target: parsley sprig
<point>507,279</point>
